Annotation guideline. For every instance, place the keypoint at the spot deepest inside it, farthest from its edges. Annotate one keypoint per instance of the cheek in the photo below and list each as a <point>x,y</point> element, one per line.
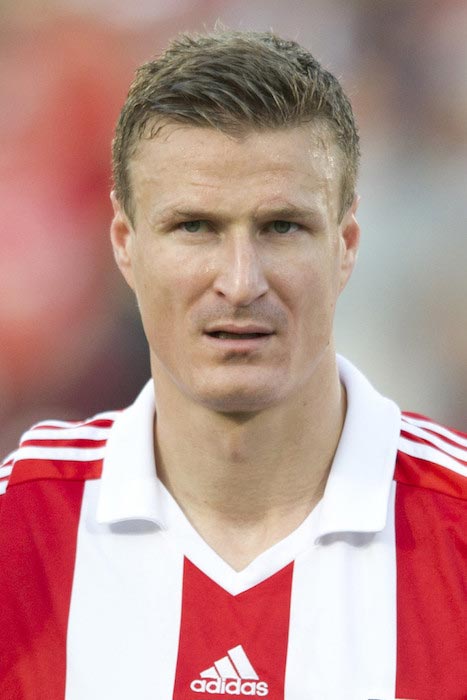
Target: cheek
<point>313,292</point>
<point>155,298</point>
<point>166,289</point>
<point>315,283</point>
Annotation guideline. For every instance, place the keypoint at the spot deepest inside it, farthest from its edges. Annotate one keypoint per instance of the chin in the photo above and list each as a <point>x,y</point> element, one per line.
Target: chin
<point>240,400</point>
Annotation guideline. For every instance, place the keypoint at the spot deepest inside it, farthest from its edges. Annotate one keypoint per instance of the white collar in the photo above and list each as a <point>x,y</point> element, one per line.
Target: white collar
<point>357,492</point>
<point>129,488</point>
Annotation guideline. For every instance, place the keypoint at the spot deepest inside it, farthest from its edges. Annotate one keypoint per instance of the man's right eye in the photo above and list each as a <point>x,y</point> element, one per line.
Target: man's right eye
<point>193,226</point>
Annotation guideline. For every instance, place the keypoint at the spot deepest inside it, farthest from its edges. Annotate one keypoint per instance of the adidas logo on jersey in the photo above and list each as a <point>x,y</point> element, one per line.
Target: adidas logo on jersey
<point>231,675</point>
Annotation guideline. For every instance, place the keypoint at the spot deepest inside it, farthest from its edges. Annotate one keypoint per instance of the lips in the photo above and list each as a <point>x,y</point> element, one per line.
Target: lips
<point>225,335</point>
<point>230,331</point>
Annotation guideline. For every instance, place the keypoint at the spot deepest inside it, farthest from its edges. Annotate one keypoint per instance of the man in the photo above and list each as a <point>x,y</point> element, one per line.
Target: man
<point>302,538</point>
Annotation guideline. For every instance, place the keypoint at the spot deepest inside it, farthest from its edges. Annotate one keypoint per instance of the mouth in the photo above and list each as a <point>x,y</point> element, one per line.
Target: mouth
<point>238,340</point>
<point>226,335</point>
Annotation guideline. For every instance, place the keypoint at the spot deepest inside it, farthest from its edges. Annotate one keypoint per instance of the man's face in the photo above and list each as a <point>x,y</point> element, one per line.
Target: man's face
<point>237,258</point>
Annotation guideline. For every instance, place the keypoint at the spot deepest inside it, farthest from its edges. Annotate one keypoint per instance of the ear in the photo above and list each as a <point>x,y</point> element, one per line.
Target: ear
<point>121,236</point>
<point>349,236</point>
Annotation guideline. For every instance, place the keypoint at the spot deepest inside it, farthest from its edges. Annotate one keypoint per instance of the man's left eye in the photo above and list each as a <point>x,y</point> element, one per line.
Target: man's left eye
<point>283,226</point>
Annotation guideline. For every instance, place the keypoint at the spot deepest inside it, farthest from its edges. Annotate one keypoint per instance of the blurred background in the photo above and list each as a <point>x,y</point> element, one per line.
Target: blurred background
<point>70,339</point>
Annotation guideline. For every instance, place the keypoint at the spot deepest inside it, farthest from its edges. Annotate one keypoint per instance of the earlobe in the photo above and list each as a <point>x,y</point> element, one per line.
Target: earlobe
<point>121,237</point>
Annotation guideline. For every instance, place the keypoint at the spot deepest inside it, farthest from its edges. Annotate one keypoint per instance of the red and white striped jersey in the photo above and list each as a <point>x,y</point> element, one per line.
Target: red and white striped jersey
<point>108,593</point>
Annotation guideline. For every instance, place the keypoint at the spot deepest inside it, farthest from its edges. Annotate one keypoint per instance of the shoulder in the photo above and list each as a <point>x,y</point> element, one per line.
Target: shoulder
<point>59,450</point>
<point>432,456</point>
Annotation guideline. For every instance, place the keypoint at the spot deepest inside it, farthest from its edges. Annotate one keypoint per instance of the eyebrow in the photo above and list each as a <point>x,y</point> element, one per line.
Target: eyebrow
<point>186,214</point>
<point>287,212</point>
<point>290,212</point>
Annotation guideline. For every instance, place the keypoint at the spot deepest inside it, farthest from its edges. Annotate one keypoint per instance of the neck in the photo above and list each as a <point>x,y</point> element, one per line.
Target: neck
<point>249,469</point>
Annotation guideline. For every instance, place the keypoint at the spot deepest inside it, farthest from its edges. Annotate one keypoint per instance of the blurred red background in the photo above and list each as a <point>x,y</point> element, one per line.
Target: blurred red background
<point>71,343</point>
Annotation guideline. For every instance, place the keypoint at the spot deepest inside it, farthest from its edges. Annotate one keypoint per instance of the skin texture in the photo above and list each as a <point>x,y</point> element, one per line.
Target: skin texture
<point>264,416</point>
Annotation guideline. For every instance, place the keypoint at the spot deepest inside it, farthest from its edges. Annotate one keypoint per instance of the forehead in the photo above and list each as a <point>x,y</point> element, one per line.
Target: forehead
<point>302,163</point>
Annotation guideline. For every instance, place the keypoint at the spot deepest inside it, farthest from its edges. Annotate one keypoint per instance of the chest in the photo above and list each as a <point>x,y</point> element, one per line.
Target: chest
<point>157,614</point>
<point>135,610</point>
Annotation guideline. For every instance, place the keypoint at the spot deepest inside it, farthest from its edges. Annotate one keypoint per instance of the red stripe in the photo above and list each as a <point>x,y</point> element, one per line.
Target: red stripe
<point>32,469</point>
<point>443,450</point>
<point>75,442</point>
<point>433,430</point>
<point>429,475</point>
<point>431,538</point>
<point>213,622</point>
<point>92,423</point>
<point>38,527</point>
<point>429,435</point>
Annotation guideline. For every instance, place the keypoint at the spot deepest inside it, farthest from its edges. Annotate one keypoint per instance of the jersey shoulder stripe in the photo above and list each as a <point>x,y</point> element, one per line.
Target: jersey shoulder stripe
<point>432,456</point>
<point>68,450</point>
<point>6,467</point>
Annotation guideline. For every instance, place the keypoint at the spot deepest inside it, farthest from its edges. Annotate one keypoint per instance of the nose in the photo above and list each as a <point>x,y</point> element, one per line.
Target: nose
<point>240,278</point>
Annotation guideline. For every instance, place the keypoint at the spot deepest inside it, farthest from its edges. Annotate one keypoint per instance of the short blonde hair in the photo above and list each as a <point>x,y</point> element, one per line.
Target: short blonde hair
<point>234,82</point>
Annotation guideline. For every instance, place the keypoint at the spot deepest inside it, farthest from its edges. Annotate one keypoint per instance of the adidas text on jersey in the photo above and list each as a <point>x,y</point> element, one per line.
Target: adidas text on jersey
<point>221,686</point>
<point>231,675</point>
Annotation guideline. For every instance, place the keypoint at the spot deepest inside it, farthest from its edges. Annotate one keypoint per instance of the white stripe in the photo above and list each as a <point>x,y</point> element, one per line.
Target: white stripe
<point>441,430</point>
<point>242,663</point>
<point>225,669</point>
<point>70,454</point>
<point>3,486</point>
<point>431,454</point>
<point>129,580</point>
<point>9,458</point>
<point>108,415</point>
<point>74,433</point>
<point>342,632</point>
<point>209,673</point>
<point>6,471</point>
<point>457,452</point>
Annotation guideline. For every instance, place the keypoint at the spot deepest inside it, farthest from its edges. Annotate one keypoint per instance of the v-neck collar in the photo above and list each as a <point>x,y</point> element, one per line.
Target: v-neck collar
<point>355,500</point>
